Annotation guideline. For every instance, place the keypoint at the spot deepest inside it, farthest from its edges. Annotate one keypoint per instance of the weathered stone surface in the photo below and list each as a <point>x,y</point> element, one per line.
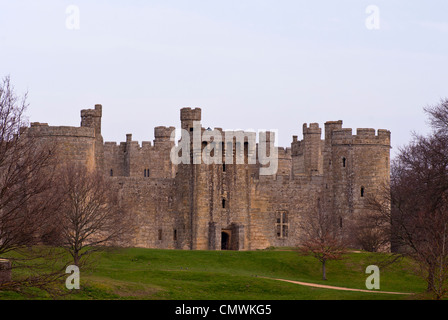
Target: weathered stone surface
<point>212,206</point>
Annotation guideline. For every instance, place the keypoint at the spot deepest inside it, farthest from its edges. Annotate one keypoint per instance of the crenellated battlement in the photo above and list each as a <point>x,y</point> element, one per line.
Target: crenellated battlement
<point>366,132</point>
<point>363,136</point>
<point>284,152</point>
<point>163,133</point>
<point>190,114</point>
<point>92,118</point>
<point>97,112</point>
<point>112,145</point>
<point>313,128</point>
<point>43,129</point>
<point>38,124</point>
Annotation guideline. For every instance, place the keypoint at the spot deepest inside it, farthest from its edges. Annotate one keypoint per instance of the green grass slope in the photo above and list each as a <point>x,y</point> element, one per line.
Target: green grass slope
<point>135,273</point>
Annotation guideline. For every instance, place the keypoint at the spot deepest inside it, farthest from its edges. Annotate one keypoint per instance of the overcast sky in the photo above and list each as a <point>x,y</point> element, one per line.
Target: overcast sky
<point>257,64</point>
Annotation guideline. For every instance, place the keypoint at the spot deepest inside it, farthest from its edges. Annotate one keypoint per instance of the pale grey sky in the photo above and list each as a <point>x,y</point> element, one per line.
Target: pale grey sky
<point>258,64</point>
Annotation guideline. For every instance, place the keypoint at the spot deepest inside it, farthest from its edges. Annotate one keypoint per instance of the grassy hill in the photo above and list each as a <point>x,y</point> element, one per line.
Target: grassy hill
<point>222,275</point>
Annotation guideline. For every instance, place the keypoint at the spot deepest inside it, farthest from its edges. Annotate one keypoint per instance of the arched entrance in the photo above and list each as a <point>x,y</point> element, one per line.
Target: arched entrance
<point>225,240</point>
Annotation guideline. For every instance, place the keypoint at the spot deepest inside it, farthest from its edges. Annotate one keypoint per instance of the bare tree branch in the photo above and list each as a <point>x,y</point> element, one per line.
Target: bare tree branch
<point>28,199</point>
<point>320,237</point>
<point>91,217</point>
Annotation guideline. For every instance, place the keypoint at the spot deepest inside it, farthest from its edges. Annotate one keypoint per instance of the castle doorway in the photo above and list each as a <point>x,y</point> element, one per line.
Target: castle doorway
<point>225,240</point>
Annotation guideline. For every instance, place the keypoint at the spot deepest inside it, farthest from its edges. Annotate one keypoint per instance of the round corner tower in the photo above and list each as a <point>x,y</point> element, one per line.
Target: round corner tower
<point>358,168</point>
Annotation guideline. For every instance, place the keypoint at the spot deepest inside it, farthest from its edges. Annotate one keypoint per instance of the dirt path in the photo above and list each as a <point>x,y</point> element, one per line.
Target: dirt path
<point>336,288</point>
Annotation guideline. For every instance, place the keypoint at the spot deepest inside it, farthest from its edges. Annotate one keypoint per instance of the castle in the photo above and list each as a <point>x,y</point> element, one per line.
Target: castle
<point>229,205</point>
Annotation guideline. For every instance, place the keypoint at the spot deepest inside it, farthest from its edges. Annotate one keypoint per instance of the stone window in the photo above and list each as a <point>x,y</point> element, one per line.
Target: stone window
<point>344,162</point>
<point>160,234</point>
<point>175,235</point>
<point>146,173</point>
<point>282,224</point>
<point>223,203</point>
<point>223,156</point>
<point>362,191</point>
<point>111,172</point>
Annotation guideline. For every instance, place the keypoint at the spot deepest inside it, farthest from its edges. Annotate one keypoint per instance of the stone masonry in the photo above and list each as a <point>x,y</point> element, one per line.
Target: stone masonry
<point>230,206</point>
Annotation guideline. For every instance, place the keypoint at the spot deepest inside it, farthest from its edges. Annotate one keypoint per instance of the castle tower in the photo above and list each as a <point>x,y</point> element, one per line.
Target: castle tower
<point>312,149</point>
<point>163,145</point>
<point>234,200</point>
<point>188,116</point>
<point>328,194</point>
<point>186,182</point>
<point>359,167</point>
<point>92,118</point>
<point>213,213</point>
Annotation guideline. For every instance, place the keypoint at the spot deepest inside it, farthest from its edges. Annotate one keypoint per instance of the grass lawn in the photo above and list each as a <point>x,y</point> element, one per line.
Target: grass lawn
<point>134,273</point>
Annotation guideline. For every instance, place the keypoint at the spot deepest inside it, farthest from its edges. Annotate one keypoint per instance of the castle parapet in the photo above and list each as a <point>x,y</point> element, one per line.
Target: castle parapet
<point>366,132</point>
<point>97,112</point>
<point>163,133</point>
<point>92,118</point>
<point>43,129</point>
<point>363,136</point>
<point>313,128</point>
<point>190,114</point>
<point>38,124</point>
<point>331,126</point>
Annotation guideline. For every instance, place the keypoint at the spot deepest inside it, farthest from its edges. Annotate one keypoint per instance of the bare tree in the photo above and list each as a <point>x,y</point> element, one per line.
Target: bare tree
<point>418,198</point>
<point>27,197</point>
<point>320,237</point>
<point>371,230</point>
<point>438,117</point>
<point>91,217</point>
<point>419,207</point>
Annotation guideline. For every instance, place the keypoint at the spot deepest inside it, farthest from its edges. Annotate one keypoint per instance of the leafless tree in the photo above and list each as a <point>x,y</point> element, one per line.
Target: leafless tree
<point>438,117</point>
<point>91,217</point>
<point>27,197</point>
<point>320,237</point>
<point>371,229</point>
<point>418,200</point>
<point>419,207</point>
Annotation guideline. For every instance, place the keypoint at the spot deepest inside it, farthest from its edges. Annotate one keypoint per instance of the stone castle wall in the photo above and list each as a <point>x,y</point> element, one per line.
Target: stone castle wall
<point>230,206</point>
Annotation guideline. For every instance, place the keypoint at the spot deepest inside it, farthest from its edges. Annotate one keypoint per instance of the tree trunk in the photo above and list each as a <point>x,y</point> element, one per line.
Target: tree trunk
<point>430,279</point>
<point>76,258</point>
<point>324,273</point>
